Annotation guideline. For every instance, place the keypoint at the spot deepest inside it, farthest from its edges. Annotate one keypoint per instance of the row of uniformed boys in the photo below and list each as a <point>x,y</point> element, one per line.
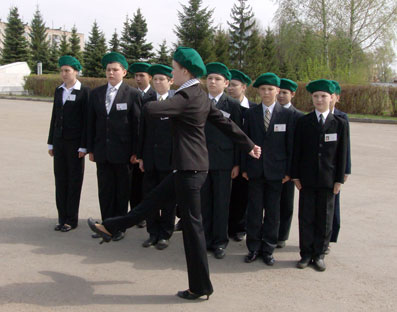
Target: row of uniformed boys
<point>120,140</point>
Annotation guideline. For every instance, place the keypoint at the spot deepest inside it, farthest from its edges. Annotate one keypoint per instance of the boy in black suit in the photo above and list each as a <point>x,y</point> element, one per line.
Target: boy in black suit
<point>154,156</point>
<point>224,160</point>
<point>287,92</point>
<point>318,169</point>
<point>112,137</point>
<point>270,126</point>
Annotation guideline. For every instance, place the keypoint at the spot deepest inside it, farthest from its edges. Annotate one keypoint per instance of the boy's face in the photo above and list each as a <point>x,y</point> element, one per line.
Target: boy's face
<point>285,96</point>
<point>216,84</point>
<point>142,80</point>
<point>321,101</point>
<point>268,94</point>
<point>68,74</point>
<point>115,73</point>
<point>162,83</point>
<point>180,74</point>
<point>334,99</point>
<point>236,89</point>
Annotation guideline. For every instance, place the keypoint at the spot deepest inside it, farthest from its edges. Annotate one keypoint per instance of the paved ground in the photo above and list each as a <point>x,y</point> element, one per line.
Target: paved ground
<point>43,270</point>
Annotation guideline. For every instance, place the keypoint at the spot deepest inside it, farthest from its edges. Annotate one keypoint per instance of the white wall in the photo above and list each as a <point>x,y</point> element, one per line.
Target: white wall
<point>12,78</point>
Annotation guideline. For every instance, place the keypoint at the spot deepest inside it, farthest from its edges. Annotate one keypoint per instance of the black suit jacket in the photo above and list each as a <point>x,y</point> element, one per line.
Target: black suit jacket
<point>189,110</point>
<point>222,152</point>
<point>150,95</point>
<point>113,137</point>
<point>275,161</point>
<point>343,115</point>
<point>69,120</point>
<point>318,162</point>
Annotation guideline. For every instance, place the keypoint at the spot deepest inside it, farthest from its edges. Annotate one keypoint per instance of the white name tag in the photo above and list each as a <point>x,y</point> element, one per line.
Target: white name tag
<point>331,137</point>
<point>280,128</point>
<point>164,118</point>
<point>226,114</point>
<point>71,97</point>
<point>121,106</point>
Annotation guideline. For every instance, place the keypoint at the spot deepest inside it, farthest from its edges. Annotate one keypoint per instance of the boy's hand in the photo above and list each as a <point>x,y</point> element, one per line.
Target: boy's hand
<point>141,167</point>
<point>286,179</point>
<point>235,171</point>
<point>298,184</point>
<point>51,152</point>
<point>91,156</point>
<point>256,152</point>
<point>337,187</point>
<point>245,175</point>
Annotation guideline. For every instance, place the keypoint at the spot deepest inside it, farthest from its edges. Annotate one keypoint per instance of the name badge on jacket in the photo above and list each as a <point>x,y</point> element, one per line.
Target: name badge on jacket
<point>71,97</point>
<point>331,137</point>
<point>280,128</point>
<point>164,118</point>
<point>121,106</point>
<point>226,114</point>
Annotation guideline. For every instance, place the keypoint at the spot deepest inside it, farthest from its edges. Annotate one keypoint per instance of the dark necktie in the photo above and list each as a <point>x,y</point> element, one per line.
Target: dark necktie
<point>321,120</point>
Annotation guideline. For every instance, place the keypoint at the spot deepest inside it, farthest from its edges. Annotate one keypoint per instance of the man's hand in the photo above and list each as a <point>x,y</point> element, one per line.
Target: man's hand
<point>286,179</point>
<point>51,152</point>
<point>345,178</point>
<point>337,187</point>
<point>141,167</point>
<point>298,184</point>
<point>91,156</point>
<point>82,154</point>
<point>256,152</point>
<point>133,159</point>
<point>245,175</point>
<point>235,171</point>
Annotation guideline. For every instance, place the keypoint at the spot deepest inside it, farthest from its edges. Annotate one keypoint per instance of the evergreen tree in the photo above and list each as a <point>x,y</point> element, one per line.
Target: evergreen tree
<point>94,51</point>
<point>125,40</point>
<point>240,32</point>
<point>140,50</point>
<point>53,58</point>
<point>221,46</point>
<point>163,55</point>
<point>114,43</point>
<point>270,63</point>
<point>74,41</point>
<point>195,28</point>
<point>64,48</point>
<point>254,64</point>
<point>39,46</point>
<point>15,45</point>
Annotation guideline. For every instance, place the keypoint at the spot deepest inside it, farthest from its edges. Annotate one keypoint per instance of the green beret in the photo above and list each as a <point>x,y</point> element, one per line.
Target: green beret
<point>191,60</point>
<point>288,84</point>
<point>337,87</point>
<point>159,69</point>
<point>218,68</point>
<point>240,76</point>
<point>321,85</point>
<point>114,57</point>
<point>139,67</point>
<point>69,61</point>
<point>267,79</point>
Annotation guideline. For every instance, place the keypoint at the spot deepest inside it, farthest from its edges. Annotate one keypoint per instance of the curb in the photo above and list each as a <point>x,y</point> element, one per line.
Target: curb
<point>25,99</point>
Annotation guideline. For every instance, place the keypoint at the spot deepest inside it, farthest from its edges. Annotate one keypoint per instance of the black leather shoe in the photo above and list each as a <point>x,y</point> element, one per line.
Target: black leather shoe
<point>186,294</point>
<point>303,262</point>
<point>251,257</point>
<point>219,253</point>
<point>58,227</point>
<point>238,237</point>
<point>280,244</point>
<point>66,228</point>
<point>105,237</point>
<point>118,236</point>
<point>319,264</point>
<point>95,235</point>
<point>162,244</point>
<point>178,226</point>
<point>142,224</point>
<point>268,259</point>
<point>151,241</point>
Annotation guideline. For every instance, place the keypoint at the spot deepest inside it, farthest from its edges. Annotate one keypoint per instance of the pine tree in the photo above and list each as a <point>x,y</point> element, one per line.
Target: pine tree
<point>221,47</point>
<point>125,40</point>
<point>64,48</point>
<point>74,41</point>
<point>271,63</point>
<point>53,58</point>
<point>39,45</point>
<point>254,64</point>
<point>195,28</point>
<point>95,49</point>
<point>240,32</point>
<point>114,43</point>
<point>163,55</point>
<point>15,45</point>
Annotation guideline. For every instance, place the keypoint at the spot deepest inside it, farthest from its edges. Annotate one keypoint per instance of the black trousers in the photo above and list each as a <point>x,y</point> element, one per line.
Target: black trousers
<point>238,205</point>
<point>286,210</point>
<point>316,212</point>
<point>215,198</point>
<point>262,230</point>
<point>69,173</point>
<point>336,221</point>
<point>184,186</point>
<point>136,192</point>
<point>161,222</point>
<point>113,189</point>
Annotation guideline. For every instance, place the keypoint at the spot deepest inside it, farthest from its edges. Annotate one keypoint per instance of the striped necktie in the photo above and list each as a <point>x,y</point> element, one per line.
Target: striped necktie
<point>267,119</point>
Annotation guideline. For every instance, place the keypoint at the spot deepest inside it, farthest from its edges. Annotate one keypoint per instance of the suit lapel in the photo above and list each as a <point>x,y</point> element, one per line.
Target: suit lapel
<point>118,98</point>
<point>329,121</point>
<point>221,103</point>
<point>314,120</point>
<point>259,117</point>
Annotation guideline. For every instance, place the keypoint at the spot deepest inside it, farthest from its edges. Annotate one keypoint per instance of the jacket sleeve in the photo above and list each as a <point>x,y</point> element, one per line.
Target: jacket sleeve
<point>296,152</point>
<point>141,136</point>
<point>91,123</point>
<point>52,123</point>
<point>84,110</point>
<point>290,142</point>
<point>136,118</point>
<point>342,153</point>
<point>168,108</point>
<point>236,116</point>
<point>348,156</point>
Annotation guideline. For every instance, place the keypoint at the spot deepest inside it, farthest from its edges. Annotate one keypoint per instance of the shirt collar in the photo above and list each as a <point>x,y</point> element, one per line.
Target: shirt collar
<point>162,96</point>
<point>270,108</point>
<point>287,105</point>
<point>325,114</point>
<point>117,86</point>
<point>76,86</point>
<point>215,97</point>
<point>245,102</point>
<point>188,83</point>
<point>146,90</point>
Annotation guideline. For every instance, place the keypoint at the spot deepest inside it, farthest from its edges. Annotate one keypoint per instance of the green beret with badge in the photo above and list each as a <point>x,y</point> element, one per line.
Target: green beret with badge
<point>69,60</point>
<point>191,60</point>
<point>288,84</point>
<point>270,79</point>
<point>321,85</point>
<point>114,57</point>
<point>159,69</point>
<point>218,68</point>
<point>240,76</point>
<point>139,67</point>
<point>337,87</point>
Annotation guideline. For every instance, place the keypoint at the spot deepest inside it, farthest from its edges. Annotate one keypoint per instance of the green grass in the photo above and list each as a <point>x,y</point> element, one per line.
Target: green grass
<point>371,117</point>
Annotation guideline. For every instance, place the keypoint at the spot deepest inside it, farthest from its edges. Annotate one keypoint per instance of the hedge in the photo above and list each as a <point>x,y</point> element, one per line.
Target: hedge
<point>355,99</point>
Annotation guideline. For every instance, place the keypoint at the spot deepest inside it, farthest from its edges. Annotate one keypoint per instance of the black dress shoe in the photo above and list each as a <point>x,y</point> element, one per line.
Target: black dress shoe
<point>280,244</point>
<point>219,253</point>
<point>105,237</point>
<point>238,237</point>
<point>178,226</point>
<point>58,227</point>
<point>252,255</point>
<point>268,259</point>
<point>66,228</point>
<point>142,224</point>
<point>186,294</point>
<point>118,236</point>
<point>149,242</point>
<point>162,244</point>
<point>303,262</point>
<point>319,264</point>
<point>95,235</point>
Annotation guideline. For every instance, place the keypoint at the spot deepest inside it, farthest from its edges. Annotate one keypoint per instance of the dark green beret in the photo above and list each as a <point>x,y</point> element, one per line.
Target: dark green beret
<point>139,67</point>
<point>267,79</point>
<point>218,68</point>
<point>288,84</point>
<point>337,86</point>
<point>191,60</point>
<point>114,57</point>
<point>240,76</point>
<point>321,85</point>
<point>69,61</point>
<point>160,69</point>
